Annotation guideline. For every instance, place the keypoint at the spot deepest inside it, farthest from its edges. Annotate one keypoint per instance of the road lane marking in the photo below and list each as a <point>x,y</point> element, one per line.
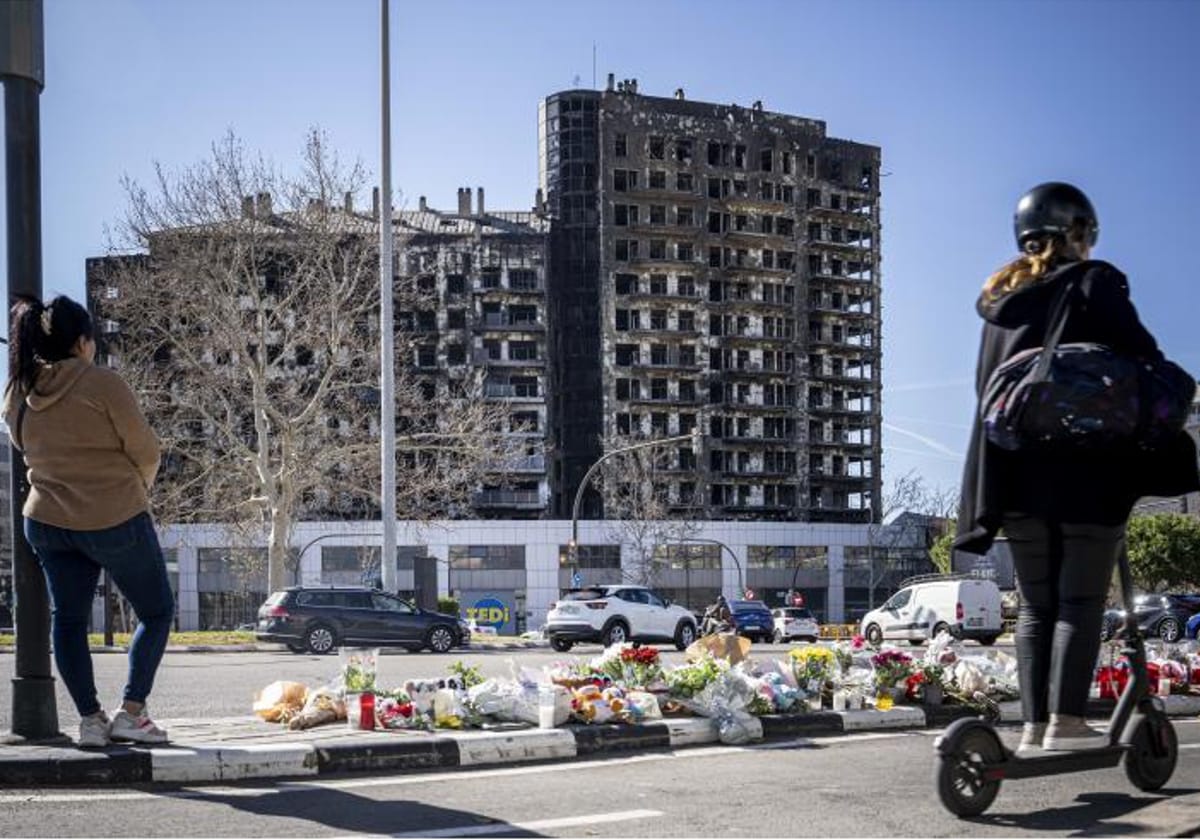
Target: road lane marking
<point>532,825</point>
<point>455,776</point>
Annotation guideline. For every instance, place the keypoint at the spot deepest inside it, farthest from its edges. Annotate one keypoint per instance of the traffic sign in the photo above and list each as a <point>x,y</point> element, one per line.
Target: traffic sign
<point>577,579</point>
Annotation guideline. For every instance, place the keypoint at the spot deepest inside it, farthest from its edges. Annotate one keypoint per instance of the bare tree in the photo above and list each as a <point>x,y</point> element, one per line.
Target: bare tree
<point>641,511</point>
<point>248,324</point>
<point>906,493</point>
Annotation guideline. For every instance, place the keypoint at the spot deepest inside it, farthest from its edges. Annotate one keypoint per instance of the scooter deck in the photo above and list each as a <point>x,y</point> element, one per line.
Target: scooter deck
<point>1050,763</point>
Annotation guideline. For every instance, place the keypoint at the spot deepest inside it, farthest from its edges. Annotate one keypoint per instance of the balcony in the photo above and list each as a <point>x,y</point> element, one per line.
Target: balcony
<point>492,390</point>
<point>667,362</point>
<point>519,289</point>
<point>481,357</point>
<point>498,321</point>
<point>747,440</point>
<point>754,370</point>
<point>836,408</point>
<point>529,464</point>
<point>519,499</point>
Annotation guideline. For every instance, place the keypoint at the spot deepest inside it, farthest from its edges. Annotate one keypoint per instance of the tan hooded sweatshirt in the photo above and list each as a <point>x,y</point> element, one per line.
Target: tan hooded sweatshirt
<point>90,452</point>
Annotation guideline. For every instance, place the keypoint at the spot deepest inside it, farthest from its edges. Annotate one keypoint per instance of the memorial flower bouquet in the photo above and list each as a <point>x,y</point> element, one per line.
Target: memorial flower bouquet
<point>814,665</point>
<point>891,667</point>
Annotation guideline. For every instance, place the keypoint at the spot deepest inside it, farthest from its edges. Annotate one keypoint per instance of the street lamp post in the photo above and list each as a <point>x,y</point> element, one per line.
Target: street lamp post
<point>22,66</point>
<point>737,563</point>
<point>387,352</point>
<point>573,547</point>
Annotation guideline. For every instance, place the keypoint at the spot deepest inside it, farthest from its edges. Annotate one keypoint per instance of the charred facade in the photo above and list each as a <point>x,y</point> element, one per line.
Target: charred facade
<point>715,266</point>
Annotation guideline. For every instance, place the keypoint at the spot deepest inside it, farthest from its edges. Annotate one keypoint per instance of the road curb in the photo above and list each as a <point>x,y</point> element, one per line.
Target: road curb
<point>36,766</point>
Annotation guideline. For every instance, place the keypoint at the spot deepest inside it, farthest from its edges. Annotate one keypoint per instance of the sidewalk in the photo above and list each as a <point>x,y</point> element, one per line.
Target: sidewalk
<point>231,749</point>
<point>477,644</point>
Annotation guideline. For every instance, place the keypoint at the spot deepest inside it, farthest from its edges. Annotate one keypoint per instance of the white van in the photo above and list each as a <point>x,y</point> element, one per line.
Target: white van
<point>969,607</point>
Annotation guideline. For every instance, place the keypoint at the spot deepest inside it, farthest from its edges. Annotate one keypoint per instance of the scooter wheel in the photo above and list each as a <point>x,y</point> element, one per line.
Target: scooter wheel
<point>962,783</point>
<point>1153,751</point>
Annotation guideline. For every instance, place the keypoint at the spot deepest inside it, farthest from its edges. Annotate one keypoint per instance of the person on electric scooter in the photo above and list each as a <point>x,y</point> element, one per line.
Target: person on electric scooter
<point>1064,512</point>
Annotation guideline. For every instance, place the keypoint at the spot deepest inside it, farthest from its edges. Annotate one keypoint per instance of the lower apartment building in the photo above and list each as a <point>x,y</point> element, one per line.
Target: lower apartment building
<point>525,565</point>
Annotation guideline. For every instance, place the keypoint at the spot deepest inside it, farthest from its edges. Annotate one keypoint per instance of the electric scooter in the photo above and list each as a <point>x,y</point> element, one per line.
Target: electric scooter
<point>972,762</point>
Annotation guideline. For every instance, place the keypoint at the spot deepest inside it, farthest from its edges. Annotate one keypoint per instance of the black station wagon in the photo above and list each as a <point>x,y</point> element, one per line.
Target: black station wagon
<point>319,619</point>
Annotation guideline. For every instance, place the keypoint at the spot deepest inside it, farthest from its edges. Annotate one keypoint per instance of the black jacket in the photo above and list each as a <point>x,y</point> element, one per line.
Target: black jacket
<point>1069,486</point>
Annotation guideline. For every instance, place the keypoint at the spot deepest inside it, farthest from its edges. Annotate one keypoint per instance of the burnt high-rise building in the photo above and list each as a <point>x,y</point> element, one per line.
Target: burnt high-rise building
<point>714,266</point>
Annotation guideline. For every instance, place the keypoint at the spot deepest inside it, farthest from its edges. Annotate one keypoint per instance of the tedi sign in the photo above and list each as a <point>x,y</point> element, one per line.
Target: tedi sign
<point>489,612</point>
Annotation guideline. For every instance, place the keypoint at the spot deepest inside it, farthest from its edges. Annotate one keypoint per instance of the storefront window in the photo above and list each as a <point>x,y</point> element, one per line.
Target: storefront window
<point>788,556</point>
<point>694,556</point>
<point>591,556</point>
<point>487,557</point>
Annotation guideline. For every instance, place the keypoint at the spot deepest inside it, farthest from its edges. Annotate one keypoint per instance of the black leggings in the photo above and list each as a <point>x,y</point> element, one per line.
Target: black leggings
<point>1063,574</point>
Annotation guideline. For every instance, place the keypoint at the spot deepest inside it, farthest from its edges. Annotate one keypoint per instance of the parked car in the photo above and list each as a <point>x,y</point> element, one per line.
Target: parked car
<point>795,623</point>
<point>319,619</point>
<point>968,607</point>
<point>753,620</point>
<point>1166,616</point>
<point>1192,629</point>
<point>618,613</point>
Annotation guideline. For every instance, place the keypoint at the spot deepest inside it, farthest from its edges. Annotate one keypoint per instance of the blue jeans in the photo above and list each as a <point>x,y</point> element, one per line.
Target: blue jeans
<point>71,561</point>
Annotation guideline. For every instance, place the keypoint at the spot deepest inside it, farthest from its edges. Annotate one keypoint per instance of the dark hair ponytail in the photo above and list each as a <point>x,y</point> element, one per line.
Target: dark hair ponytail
<point>40,334</point>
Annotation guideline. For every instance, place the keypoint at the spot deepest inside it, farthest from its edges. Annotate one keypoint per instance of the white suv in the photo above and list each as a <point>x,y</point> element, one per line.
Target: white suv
<point>614,614</point>
<point>795,623</point>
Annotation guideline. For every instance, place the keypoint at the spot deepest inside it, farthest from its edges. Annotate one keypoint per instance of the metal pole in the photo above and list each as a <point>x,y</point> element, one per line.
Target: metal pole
<point>22,65</point>
<point>387,371</point>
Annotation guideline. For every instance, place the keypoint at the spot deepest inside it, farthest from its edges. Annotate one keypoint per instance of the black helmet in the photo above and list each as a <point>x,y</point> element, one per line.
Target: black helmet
<point>1054,207</point>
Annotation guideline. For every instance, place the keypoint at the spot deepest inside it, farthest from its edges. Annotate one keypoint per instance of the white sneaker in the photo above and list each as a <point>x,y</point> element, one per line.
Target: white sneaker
<point>1031,739</point>
<point>1071,732</point>
<point>94,730</point>
<point>137,728</point>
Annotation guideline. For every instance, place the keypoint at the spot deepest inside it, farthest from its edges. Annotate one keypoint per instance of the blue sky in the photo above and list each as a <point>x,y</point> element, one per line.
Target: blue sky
<point>971,102</point>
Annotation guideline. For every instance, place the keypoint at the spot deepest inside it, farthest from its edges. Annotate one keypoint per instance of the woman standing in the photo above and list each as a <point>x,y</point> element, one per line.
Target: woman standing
<point>1063,512</point>
<point>91,459</point>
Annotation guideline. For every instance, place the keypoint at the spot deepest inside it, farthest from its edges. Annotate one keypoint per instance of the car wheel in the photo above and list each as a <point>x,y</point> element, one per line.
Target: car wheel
<point>812,640</point>
<point>779,638</point>
<point>440,639</point>
<point>1169,630</point>
<point>561,645</point>
<point>685,635</point>
<point>615,634</point>
<point>938,629</point>
<point>874,635</point>
<point>988,641</point>
<point>916,642</point>
<point>320,639</point>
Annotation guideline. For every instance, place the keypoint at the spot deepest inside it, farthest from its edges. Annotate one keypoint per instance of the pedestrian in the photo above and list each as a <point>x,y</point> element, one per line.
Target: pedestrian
<point>1063,511</point>
<point>91,459</point>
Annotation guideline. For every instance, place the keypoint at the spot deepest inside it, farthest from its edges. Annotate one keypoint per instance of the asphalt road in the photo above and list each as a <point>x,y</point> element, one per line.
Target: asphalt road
<point>866,785</point>
<point>225,684</point>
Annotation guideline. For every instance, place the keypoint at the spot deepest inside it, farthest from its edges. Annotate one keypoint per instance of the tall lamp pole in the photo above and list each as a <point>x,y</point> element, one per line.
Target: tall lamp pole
<point>387,362</point>
<point>22,66</point>
<point>573,548</point>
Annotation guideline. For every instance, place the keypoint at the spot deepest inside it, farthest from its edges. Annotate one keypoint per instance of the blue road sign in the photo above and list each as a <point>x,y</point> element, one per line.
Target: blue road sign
<point>577,579</point>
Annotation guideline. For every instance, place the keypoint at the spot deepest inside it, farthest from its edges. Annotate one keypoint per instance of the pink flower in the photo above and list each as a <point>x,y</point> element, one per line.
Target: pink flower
<point>858,642</point>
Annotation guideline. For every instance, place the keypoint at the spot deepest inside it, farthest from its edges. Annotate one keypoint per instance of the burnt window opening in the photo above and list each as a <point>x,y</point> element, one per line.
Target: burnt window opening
<point>427,284</point>
<point>658,284</point>
<point>626,284</point>
<point>686,286</point>
<point>739,156</point>
<point>683,150</point>
<point>785,226</point>
<point>766,160</point>
<point>810,165</point>
<point>785,162</point>
<point>620,145</point>
<point>767,224</point>
<point>426,356</point>
<point>684,252</point>
<point>657,148</point>
<point>456,354</point>
<point>685,217</point>
<point>456,284</point>
<point>658,179</point>
<point>684,182</point>
<point>835,201</point>
<point>304,356</point>
<point>813,198</point>
<point>456,319</point>
<point>865,178</point>
<point>687,394</point>
<point>658,319</point>
<point>686,320</point>
<point>489,278</point>
<point>658,214</point>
